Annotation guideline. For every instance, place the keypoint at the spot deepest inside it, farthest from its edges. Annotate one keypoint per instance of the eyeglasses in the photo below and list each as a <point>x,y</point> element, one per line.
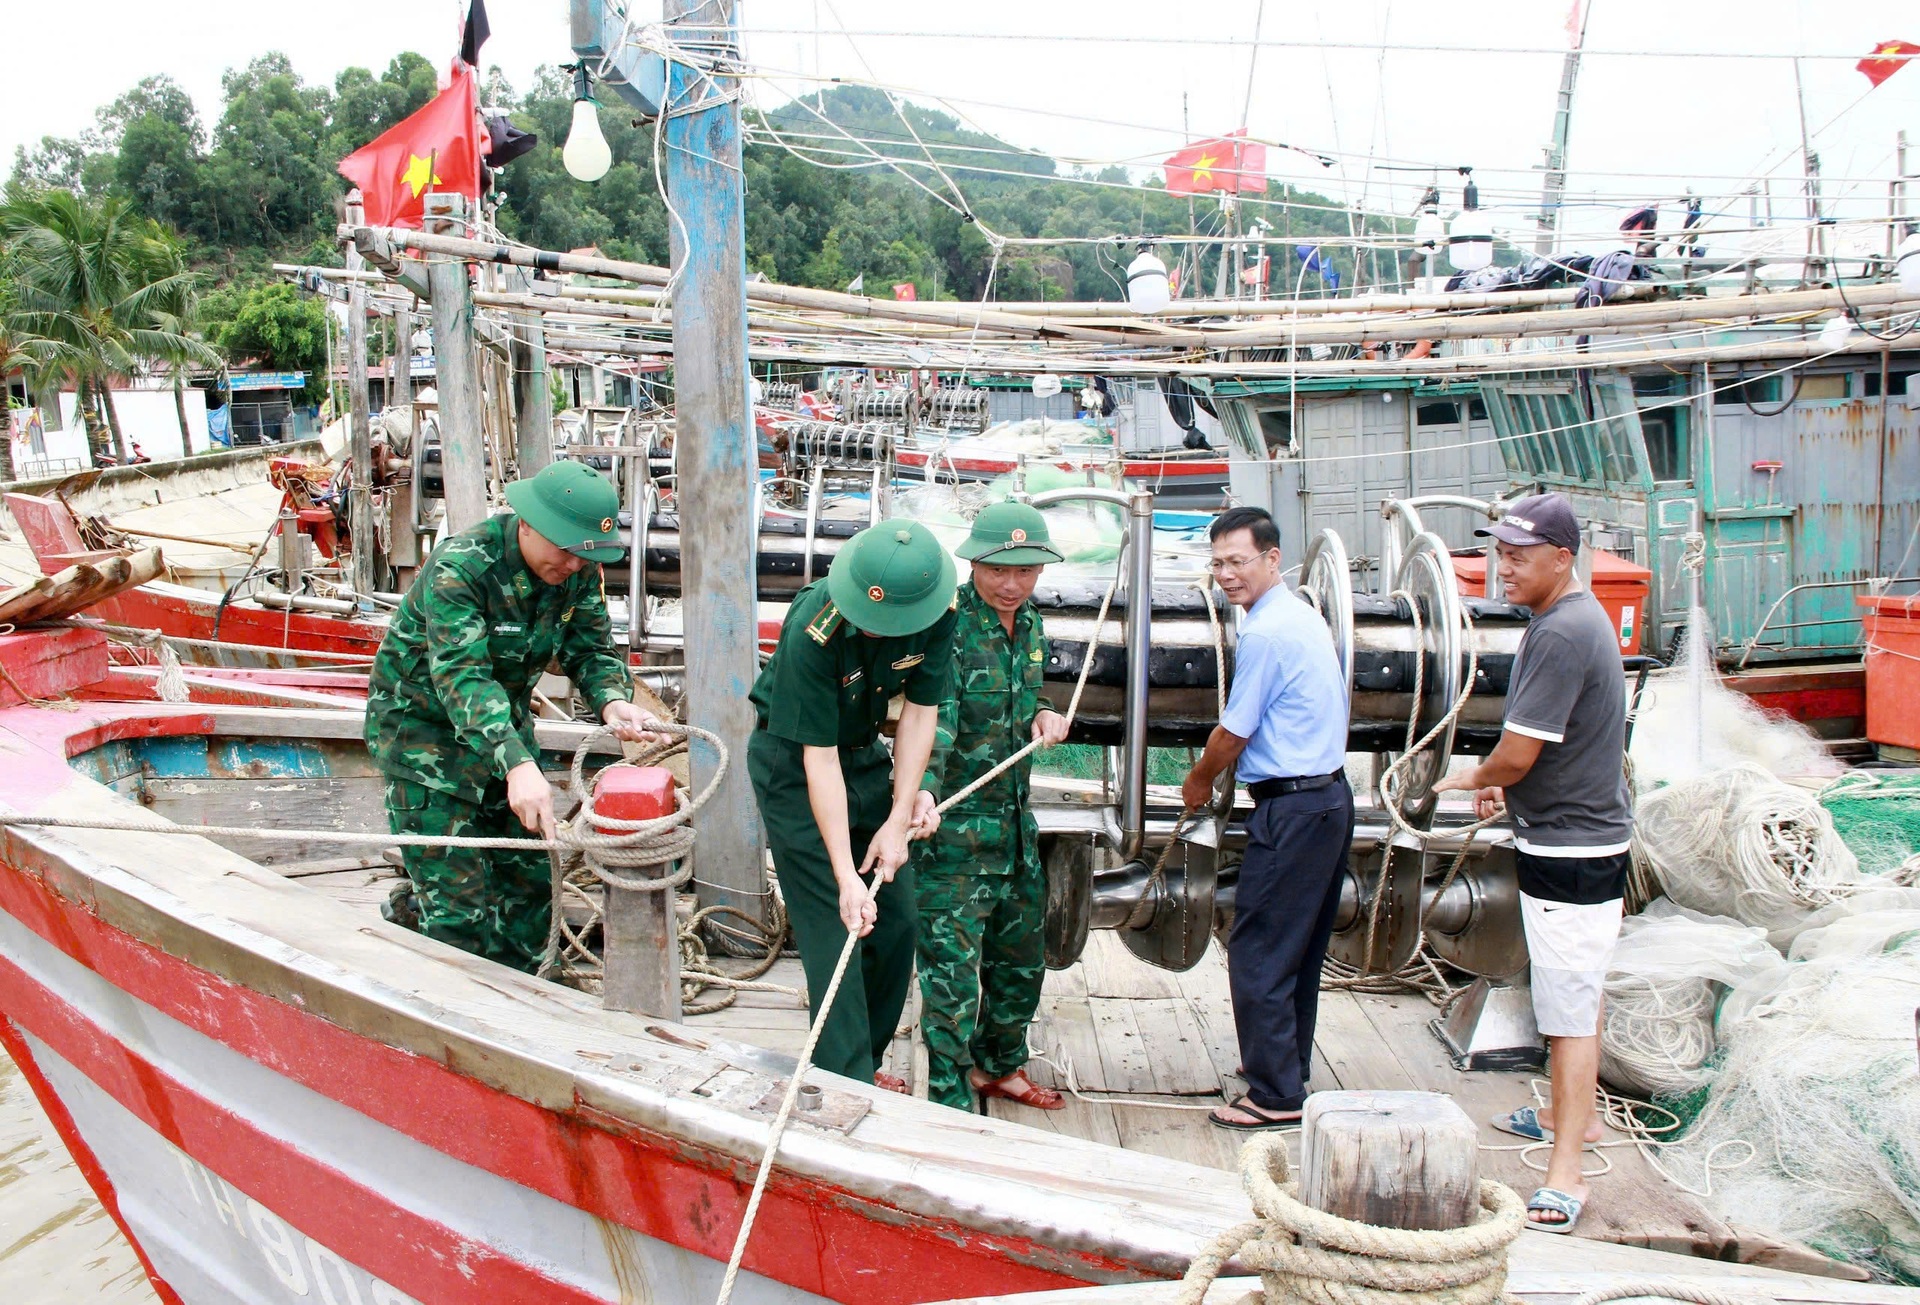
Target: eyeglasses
<point>1222,565</point>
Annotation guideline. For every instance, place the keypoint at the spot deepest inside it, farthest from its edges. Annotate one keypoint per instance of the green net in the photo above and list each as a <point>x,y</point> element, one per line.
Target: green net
<point>1877,814</point>
<point>1082,761</point>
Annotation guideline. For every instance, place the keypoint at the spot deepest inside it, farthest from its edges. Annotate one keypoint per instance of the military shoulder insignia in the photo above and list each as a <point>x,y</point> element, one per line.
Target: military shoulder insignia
<point>911,659</point>
<point>821,627</point>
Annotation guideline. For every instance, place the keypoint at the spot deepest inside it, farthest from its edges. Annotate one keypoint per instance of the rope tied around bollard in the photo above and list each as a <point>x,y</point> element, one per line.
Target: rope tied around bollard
<point>1310,1256</point>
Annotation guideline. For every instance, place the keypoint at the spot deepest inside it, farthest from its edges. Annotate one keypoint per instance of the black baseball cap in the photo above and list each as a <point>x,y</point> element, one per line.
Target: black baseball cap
<point>1538,519</point>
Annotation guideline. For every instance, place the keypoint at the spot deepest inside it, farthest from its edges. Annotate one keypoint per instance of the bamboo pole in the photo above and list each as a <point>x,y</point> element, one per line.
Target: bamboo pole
<point>763,291</point>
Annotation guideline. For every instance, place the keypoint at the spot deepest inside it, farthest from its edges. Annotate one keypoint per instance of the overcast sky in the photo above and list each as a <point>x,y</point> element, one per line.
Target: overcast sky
<point>1715,123</point>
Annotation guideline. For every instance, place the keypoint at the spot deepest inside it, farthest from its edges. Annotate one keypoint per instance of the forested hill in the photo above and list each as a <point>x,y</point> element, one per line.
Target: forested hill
<point>258,184</point>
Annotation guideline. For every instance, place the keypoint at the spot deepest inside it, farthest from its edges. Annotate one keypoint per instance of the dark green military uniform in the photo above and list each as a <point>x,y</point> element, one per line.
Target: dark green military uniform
<point>981,890</point>
<point>448,716</point>
<point>828,685</point>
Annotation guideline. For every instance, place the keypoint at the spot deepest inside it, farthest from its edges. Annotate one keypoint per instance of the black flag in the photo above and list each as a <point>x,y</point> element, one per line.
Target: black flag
<point>475,33</point>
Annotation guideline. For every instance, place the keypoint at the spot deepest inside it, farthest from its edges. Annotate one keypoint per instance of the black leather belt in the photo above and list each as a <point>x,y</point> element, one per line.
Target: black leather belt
<point>1262,789</point>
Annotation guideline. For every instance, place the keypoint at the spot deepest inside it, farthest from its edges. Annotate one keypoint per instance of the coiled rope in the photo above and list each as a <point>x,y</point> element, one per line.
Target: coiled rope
<point>1312,1257</point>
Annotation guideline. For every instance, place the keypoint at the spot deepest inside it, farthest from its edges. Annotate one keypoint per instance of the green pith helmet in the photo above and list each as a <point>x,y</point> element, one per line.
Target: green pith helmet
<point>1010,534</point>
<point>892,579</point>
<point>571,506</point>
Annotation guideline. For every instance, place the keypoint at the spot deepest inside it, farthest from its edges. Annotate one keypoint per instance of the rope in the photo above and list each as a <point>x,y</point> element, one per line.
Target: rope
<point>1421,973</point>
<point>1312,1257</point>
<point>632,842</point>
<point>805,1058</point>
<point>1669,1290</point>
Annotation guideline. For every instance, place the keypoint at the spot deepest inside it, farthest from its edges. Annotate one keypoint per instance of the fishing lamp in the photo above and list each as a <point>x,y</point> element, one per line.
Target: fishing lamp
<point>1470,240</point>
<point>1045,386</point>
<point>1429,232</point>
<point>586,155</point>
<point>1147,287</point>
<point>1906,263</point>
<point>1833,335</point>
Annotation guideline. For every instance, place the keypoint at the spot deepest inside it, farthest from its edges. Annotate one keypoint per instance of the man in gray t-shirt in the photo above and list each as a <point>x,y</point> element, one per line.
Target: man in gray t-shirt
<point>1558,768</point>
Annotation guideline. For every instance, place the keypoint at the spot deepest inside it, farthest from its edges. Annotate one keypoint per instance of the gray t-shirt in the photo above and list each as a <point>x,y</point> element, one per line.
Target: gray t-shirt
<point>1569,691</point>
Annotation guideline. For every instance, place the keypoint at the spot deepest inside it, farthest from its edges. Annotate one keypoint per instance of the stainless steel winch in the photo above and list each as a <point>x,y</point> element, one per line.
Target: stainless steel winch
<point>1113,859</point>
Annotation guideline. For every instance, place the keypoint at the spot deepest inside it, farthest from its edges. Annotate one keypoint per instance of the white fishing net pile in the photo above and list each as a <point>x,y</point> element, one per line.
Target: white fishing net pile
<point>1811,1129</point>
<point>1690,724</point>
<point>1668,973</point>
<point>1740,843</point>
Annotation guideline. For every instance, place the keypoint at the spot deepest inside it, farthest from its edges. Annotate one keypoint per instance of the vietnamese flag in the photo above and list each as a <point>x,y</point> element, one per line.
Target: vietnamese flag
<point>1224,164</point>
<point>1888,58</point>
<point>435,148</point>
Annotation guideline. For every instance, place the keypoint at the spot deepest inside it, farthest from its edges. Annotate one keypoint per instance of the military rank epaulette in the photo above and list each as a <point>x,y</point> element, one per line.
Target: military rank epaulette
<point>821,628</point>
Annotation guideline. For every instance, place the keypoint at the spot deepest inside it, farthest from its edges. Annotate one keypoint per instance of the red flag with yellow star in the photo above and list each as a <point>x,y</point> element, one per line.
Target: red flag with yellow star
<point>1225,164</point>
<point>1888,58</point>
<point>435,148</point>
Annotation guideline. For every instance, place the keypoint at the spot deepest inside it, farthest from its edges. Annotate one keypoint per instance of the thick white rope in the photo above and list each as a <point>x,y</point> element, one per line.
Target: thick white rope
<point>1312,1257</point>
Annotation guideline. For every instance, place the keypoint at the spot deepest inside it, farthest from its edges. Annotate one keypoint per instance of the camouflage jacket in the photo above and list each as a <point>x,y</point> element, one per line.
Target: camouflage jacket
<point>986,716</point>
<point>448,701</point>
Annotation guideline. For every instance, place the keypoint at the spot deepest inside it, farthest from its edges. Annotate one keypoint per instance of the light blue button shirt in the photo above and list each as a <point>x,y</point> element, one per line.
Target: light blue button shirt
<point>1288,699</point>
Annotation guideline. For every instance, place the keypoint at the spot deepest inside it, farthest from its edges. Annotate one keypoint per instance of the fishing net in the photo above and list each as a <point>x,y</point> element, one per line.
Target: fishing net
<point>1811,1129</point>
<point>1740,843</point>
<point>1086,534</point>
<point>1689,724</point>
<point>1877,812</point>
<point>1663,987</point>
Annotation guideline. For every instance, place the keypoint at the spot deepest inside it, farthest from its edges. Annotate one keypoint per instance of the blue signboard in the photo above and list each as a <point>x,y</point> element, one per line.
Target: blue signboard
<point>266,381</point>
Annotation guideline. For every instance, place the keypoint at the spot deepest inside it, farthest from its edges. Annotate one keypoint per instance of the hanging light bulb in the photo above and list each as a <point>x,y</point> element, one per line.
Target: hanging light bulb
<point>1147,287</point>
<point>1833,335</point>
<point>586,155</point>
<point>1470,239</point>
<point>1906,264</point>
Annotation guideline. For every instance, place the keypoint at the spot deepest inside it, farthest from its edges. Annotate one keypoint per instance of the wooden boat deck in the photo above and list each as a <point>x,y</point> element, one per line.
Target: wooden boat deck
<point>1143,1035</point>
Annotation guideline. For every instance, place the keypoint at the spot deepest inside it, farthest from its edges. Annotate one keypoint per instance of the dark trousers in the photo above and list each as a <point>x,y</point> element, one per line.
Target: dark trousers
<point>867,1009</point>
<point>1284,906</point>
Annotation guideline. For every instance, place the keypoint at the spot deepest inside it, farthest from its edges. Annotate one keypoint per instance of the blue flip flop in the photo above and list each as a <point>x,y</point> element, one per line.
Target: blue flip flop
<point>1551,1200</point>
<point>1525,1122</point>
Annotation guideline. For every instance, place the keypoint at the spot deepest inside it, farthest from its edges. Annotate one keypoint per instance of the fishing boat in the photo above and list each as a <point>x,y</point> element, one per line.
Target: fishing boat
<point>278,1096</point>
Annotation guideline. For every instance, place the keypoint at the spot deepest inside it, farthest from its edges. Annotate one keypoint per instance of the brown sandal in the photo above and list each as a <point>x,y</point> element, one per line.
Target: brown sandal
<point>1040,1098</point>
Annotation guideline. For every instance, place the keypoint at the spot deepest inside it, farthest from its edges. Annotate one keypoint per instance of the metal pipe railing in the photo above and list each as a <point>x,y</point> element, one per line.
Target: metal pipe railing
<point>1137,563</point>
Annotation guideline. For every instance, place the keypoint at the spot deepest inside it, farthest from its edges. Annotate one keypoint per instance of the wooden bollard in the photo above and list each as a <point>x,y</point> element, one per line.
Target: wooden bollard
<point>641,937</point>
<point>1392,1159</point>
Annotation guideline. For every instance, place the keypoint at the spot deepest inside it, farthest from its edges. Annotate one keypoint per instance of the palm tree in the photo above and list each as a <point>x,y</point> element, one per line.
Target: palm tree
<point>20,351</point>
<point>107,288</point>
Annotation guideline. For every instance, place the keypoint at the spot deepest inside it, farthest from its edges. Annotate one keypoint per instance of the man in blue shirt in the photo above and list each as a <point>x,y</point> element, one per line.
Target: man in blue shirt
<point>1286,726</point>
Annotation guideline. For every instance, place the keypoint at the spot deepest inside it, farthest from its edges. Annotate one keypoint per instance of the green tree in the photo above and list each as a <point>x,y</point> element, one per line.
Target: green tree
<point>268,176</point>
<point>274,325</point>
<point>110,291</point>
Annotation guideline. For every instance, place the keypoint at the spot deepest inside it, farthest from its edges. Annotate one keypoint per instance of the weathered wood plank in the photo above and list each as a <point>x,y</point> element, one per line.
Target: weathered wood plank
<point>1113,971</point>
<point>1355,1052</point>
<point>357,804</point>
<point>1178,1133</point>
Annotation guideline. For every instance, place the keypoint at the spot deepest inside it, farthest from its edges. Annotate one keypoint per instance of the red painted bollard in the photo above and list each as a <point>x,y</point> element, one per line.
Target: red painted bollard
<point>641,937</point>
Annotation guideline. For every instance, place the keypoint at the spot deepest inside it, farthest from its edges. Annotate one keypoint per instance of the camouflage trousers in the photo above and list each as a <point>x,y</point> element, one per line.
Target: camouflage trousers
<point>495,904</point>
<point>982,954</point>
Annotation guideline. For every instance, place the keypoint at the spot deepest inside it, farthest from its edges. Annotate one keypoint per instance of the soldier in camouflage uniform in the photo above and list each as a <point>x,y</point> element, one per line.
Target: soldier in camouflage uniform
<point>880,626</point>
<point>981,890</point>
<point>448,719</point>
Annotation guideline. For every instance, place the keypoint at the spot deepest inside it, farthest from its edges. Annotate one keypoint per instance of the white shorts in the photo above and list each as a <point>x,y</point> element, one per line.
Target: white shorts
<point>1571,946</point>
